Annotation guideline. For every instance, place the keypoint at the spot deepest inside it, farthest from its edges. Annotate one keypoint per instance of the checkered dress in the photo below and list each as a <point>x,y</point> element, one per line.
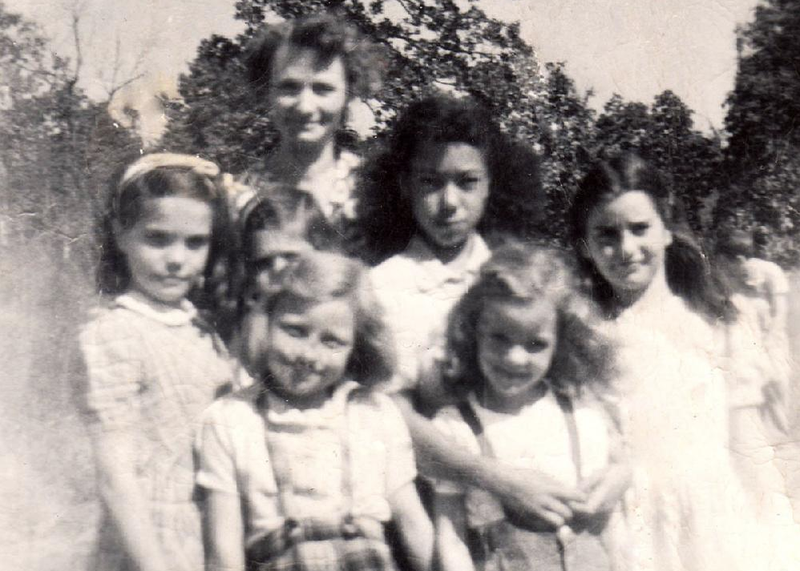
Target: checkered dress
<point>352,544</point>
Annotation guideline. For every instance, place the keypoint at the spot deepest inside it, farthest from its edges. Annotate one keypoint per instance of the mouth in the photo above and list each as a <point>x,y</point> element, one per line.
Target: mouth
<point>172,281</point>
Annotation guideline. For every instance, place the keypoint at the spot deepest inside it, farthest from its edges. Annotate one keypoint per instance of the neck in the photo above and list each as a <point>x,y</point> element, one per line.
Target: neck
<point>303,402</point>
<point>294,163</point>
<point>500,403</point>
<point>652,296</point>
<point>154,304</point>
<point>454,256</point>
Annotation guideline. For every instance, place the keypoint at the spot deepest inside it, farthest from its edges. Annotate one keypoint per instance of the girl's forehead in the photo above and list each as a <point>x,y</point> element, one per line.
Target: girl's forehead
<point>625,206</point>
<point>432,155</point>
<point>276,240</point>
<point>293,59</point>
<point>526,313</point>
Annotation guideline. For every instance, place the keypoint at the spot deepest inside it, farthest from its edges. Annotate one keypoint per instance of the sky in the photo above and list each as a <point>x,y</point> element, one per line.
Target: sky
<point>637,48</point>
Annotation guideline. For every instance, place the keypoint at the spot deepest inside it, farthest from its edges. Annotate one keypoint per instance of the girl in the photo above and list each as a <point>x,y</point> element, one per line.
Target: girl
<point>304,469</point>
<point>651,277</point>
<point>525,349</point>
<point>309,70</point>
<point>446,174</point>
<point>153,364</point>
<point>277,225</point>
<point>445,177</point>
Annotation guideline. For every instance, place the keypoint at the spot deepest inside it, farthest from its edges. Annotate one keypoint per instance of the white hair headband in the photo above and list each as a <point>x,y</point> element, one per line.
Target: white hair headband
<point>153,161</point>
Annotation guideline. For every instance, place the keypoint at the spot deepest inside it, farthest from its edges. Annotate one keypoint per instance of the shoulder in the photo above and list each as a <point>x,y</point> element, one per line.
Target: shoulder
<point>235,406</point>
<point>450,422</point>
<point>107,324</point>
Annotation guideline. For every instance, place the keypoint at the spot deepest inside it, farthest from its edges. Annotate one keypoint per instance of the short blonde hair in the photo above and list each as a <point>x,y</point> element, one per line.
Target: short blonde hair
<point>323,276</point>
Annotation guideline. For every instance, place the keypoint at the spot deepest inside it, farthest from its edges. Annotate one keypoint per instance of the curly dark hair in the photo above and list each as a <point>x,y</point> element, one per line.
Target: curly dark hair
<point>516,203</point>
<point>524,273</point>
<point>689,273</point>
<point>322,276</point>
<point>327,35</point>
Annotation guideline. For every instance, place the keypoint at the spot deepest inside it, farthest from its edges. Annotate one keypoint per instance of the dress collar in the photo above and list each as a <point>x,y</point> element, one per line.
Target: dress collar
<point>435,274</point>
<point>176,317</point>
<point>282,413</point>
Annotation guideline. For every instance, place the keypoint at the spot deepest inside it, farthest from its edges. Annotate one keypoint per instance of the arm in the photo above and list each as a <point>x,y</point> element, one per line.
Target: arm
<point>413,525</point>
<point>224,533</point>
<point>452,553</point>
<point>526,491</point>
<point>125,501</point>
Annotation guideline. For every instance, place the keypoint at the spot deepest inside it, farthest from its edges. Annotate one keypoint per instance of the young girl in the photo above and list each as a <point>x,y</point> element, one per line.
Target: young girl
<point>275,227</point>
<point>304,469</point>
<point>525,349</point>
<point>153,364</point>
<point>446,175</point>
<point>686,507</point>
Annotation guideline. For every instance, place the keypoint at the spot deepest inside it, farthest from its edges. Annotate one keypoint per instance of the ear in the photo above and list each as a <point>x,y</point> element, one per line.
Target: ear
<point>667,237</point>
<point>583,250</point>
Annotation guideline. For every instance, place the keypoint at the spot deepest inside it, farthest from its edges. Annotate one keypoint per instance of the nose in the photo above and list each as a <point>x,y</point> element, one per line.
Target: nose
<point>304,102</point>
<point>627,244</point>
<point>175,257</point>
<point>449,197</point>
<point>517,356</point>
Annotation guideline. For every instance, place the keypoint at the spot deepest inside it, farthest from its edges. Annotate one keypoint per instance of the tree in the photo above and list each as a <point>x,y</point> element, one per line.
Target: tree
<point>57,148</point>
<point>764,106</point>
<point>435,44</point>
<point>664,134</point>
<point>762,120</point>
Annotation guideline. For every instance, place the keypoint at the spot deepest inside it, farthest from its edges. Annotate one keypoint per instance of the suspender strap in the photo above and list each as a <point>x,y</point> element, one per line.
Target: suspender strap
<point>572,430</point>
<point>282,470</point>
<point>564,402</point>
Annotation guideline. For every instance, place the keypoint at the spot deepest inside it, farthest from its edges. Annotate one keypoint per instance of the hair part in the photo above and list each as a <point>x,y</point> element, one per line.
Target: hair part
<point>385,209</point>
<point>326,35</point>
<point>127,202</point>
<point>529,274</point>
<point>318,277</point>
<point>688,271</point>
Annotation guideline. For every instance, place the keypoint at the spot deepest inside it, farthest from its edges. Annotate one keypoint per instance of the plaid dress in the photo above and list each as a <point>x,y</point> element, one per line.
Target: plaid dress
<point>314,484</point>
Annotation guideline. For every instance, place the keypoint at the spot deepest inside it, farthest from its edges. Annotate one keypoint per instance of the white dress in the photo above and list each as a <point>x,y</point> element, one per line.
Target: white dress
<point>686,509</point>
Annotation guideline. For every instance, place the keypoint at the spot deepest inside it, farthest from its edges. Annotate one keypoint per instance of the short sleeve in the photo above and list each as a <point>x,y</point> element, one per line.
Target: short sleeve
<point>401,467</point>
<point>216,466</point>
<point>114,375</point>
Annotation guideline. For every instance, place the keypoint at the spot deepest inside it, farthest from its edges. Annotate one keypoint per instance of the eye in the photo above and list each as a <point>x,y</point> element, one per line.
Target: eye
<point>428,182</point>
<point>197,242</point>
<point>294,330</point>
<point>334,342</point>
<point>288,87</point>
<point>606,234</point>
<point>536,345</point>
<point>468,182</point>
<point>157,239</point>
<point>640,228</point>
<point>323,88</point>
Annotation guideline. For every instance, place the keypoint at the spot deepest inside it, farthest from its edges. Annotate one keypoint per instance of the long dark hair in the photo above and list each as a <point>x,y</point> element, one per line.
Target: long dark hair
<point>688,271</point>
<point>385,216</point>
<point>125,206</point>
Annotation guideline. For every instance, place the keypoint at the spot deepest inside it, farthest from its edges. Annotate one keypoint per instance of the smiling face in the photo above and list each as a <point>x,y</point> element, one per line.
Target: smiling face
<point>309,346</point>
<point>167,248</point>
<point>516,342</point>
<point>448,185</point>
<point>626,240</point>
<point>307,96</point>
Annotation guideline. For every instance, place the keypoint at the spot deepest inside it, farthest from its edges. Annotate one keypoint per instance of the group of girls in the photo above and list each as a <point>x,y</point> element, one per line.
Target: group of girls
<point>474,400</point>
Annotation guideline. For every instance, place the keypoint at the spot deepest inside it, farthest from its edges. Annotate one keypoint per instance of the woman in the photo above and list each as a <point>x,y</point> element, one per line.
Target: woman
<point>309,70</point>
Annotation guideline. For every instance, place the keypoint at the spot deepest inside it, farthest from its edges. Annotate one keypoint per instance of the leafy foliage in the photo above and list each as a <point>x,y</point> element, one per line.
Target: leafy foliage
<point>57,148</point>
<point>763,113</point>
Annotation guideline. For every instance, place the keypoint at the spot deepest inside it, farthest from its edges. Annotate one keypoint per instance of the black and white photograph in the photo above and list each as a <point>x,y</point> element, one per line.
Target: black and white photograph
<point>400,285</point>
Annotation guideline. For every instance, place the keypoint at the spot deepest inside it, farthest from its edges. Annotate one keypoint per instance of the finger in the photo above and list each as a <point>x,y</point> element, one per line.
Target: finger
<point>552,518</point>
<point>569,494</point>
<point>557,507</point>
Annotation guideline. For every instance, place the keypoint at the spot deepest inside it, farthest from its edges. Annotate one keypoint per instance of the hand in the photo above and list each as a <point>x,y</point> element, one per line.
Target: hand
<point>604,489</point>
<point>537,494</point>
